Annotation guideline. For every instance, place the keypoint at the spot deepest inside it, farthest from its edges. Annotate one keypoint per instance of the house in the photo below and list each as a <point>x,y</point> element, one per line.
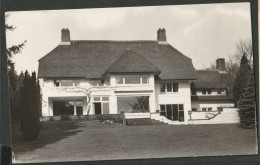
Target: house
<point>90,77</point>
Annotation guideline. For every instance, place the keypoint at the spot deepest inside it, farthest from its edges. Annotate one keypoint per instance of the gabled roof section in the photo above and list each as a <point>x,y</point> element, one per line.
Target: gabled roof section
<point>209,79</point>
<point>91,59</point>
<point>131,62</point>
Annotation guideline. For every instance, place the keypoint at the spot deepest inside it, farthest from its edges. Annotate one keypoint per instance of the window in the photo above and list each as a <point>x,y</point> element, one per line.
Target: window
<point>163,88</point>
<point>101,104</point>
<point>193,92</point>
<point>194,109</point>
<point>220,108</point>
<point>119,79</point>
<point>220,91</point>
<point>209,92</point>
<point>57,83</point>
<point>66,83</point>
<point>173,112</point>
<point>145,79</point>
<point>132,79</point>
<point>169,87</point>
<point>204,109</point>
<point>203,92</point>
<point>133,104</point>
<point>210,109</point>
<point>96,83</point>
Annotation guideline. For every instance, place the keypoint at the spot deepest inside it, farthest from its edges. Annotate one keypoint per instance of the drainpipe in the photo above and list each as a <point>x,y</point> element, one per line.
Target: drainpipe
<point>75,110</point>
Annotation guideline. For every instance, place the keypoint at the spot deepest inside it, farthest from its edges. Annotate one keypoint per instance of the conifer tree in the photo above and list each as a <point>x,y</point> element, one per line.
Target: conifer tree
<point>241,80</point>
<point>248,105</point>
<point>30,121</point>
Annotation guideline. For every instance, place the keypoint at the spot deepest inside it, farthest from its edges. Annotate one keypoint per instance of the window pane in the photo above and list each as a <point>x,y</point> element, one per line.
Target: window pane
<point>66,82</point>
<point>57,83</point>
<point>203,92</point>
<point>209,109</point>
<point>105,98</point>
<point>95,82</point>
<point>162,107</point>
<point>77,82</point>
<point>96,98</point>
<point>180,107</point>
<point>119,79</point>
<point>105,108</point>
<point>194,109</point>
<point>162,87</point>
<point>175,87</point>
<point>169,87</point>
<point>204,109</point>
<point>209,92</point>
<point>193,92</point>
<point>132,79</point>
<point>145,79</point>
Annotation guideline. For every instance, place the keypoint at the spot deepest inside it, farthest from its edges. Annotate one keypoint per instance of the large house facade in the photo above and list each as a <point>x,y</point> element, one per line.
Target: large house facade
<point>89,77</point>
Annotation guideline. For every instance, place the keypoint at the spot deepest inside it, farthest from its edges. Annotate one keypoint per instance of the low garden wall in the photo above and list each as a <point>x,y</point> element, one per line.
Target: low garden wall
<point>202,115</point>
<point>117,118</point>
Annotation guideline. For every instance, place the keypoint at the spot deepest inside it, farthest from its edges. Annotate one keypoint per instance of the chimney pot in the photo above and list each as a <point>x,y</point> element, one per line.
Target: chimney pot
<point>161,35</point>
<point>220,64</point>
<point>65,35</point>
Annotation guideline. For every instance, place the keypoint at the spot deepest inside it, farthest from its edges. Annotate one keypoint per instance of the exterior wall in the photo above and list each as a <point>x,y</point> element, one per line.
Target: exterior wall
<point>110,89</point>
<point>183,96</point>
<point>214,104</point>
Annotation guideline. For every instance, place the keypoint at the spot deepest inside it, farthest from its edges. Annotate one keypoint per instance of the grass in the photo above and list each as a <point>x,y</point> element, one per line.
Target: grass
<point>92,140</point>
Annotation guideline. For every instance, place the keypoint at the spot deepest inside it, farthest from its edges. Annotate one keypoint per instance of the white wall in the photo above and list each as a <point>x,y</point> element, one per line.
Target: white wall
<point>213,104</point>
<point>183,96</point>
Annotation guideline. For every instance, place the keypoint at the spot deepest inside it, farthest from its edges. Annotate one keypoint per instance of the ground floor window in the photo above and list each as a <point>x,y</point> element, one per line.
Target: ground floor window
<point>173,112</point>
<point>206,109</point>
<point>101,104</point>
<point>74,107</point>
<point>133,104</point>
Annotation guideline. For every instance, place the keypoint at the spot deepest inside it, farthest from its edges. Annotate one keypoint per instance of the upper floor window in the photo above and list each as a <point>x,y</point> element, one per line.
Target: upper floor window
<point>204,91</point>
<point>96,82</point>
<point>220,91</point>
<point>193,92</point>
<point>66,83</point>
<point>132,79</point>
<point>169,87</point>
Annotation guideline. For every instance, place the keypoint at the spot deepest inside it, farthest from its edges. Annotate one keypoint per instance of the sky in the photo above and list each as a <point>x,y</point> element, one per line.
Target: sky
<point>201,32</point>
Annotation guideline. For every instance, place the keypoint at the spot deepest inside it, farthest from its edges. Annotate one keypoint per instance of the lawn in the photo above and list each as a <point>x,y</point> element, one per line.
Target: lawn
<point>92,140</point>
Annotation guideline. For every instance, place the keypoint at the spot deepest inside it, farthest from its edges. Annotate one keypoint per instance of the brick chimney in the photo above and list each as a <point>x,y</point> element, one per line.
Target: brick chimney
<point>161,35</point>
<point>221,65</point>
<point>65,37</point>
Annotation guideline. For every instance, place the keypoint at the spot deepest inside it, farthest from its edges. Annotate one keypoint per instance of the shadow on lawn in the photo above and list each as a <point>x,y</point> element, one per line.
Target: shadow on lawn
<point>51,132</point>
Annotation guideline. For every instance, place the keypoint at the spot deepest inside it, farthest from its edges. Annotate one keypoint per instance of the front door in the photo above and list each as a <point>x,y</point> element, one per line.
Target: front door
<point>97,108</point>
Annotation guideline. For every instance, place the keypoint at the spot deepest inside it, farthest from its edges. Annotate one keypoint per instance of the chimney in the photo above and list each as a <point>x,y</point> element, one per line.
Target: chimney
<point>220,65</point>
<point>65,36</point>
<point>161,35</point>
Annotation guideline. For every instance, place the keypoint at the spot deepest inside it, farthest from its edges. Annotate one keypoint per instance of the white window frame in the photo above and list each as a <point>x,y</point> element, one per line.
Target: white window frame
<point>101,101</point>
<point>73,83</point>
<point>165,89</point>
<point>141,80</point>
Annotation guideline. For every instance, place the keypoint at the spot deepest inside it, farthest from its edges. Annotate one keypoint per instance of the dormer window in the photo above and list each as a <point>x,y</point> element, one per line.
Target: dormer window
<point>132,79</point>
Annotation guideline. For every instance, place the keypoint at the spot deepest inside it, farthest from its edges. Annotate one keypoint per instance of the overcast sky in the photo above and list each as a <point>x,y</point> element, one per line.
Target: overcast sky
<point>201,32</point>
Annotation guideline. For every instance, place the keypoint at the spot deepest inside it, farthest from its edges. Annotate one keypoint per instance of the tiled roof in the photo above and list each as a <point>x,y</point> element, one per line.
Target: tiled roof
<point>209,79</point>
<point>131,62</point>
<point>91,59</point>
